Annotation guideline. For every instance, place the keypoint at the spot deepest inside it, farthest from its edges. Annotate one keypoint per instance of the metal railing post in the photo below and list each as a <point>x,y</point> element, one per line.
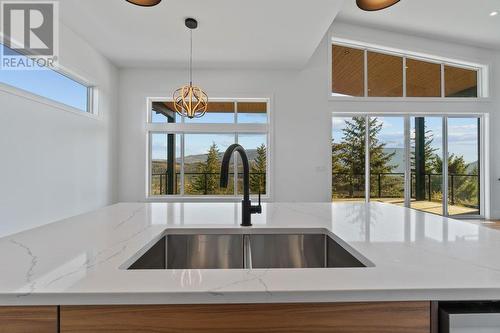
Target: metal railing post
<point>206,183</point>
<point>161,184</point>
<point>430,187</point>
<point>379,180</point>
<point>411,186</point>
<point>452,184</point>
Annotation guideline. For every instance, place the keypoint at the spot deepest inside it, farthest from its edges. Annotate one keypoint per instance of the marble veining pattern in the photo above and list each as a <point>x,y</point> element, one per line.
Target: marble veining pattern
<point>417,256</point>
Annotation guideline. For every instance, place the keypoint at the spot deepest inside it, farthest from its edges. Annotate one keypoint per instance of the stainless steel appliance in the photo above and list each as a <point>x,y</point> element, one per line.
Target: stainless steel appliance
<point>469,317</point>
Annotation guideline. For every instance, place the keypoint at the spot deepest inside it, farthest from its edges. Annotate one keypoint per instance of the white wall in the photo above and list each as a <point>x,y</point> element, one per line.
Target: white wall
<point>302,111</point>
<point>55,163</point>
<point>494,140</point>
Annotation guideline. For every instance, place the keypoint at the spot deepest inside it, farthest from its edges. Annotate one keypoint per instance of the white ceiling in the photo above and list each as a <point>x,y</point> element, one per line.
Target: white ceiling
<point>243,33</point>
<point>465,21</point>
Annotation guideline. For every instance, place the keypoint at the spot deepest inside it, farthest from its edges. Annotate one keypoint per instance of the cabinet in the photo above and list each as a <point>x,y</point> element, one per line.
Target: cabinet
<point>390,317</point>
<point>28,319</point>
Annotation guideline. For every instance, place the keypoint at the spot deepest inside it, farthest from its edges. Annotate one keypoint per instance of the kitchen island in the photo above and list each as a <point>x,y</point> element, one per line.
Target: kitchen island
<point>412,259</point>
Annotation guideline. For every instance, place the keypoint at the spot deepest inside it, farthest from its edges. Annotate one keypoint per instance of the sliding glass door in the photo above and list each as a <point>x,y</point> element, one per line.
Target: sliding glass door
<point>387,159</point>
<point>349,159</point>
<point>426,152</point>
<point>464,166</point>
<point>425,162</point>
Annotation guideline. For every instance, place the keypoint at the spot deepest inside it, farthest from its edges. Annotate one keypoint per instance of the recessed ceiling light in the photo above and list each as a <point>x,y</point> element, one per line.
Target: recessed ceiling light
<point>494,13</point>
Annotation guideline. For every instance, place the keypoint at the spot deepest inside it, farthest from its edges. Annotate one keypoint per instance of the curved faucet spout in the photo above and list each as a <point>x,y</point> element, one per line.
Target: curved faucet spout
<point>248,209</point>
<point>224,172</point>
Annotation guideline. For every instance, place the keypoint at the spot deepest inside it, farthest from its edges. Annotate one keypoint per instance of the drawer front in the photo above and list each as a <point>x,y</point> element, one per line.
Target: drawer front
<point>392,317</point>
<point>28,319</point>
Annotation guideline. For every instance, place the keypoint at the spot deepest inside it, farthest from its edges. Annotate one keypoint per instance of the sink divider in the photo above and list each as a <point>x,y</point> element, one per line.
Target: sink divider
<point>247,252</point>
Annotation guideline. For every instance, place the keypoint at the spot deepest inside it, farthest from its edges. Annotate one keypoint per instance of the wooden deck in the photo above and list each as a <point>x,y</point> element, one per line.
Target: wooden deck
<point>425,206</point>
<point>435,208</point>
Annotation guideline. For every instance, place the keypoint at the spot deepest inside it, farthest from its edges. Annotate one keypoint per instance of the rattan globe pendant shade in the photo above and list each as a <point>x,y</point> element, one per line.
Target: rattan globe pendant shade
<point>372,5</point>
<point>190,101</point>
<point>144,3</point>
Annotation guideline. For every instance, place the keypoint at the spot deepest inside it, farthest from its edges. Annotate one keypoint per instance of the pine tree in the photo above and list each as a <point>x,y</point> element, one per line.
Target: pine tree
<point>463,184</point>
<point>258,171</point>
<point>456,165</point>
<point>429,153</point>
<point>348,156</point>
<point>207,181</point>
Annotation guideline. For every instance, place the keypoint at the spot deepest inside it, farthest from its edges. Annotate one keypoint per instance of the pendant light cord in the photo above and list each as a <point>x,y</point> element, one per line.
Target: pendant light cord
<point>191,60</point>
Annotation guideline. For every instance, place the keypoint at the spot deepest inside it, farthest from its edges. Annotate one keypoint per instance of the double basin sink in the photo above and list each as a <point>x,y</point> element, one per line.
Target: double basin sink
<point>246,249</point>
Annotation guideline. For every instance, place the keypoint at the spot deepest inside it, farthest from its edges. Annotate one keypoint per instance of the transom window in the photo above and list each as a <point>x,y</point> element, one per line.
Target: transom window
<point>185,154</point>
<point>359,71</point>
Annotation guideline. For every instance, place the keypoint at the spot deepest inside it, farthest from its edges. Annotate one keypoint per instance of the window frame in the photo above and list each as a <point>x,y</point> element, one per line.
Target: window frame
<point>482,73</point>
<point>484,169</point>
<point>92,93</point>
<point>208,128</point>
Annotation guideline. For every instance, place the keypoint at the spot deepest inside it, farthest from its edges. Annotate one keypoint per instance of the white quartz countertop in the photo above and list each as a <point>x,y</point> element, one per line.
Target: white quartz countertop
<point>416,256</point>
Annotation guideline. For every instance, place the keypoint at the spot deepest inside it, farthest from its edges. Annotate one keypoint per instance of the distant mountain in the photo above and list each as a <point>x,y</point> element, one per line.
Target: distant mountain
<point>200,158</point>
<point>472,167</point>
<point>399,157</point>
<point>191,162</point>
<point>398,160</point>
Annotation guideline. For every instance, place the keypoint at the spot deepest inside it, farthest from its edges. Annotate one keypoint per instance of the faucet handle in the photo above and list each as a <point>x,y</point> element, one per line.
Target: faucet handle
<point>257,209</point>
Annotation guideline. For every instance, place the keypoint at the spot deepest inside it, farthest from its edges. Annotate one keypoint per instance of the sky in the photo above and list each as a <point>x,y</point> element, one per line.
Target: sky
<point>462,134</point>
<point>47,83</point>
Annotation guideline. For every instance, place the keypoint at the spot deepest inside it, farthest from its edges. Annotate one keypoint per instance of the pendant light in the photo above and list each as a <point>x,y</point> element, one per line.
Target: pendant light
<point>372,5</point>
<point>190,101</point>
<point>144,3</point>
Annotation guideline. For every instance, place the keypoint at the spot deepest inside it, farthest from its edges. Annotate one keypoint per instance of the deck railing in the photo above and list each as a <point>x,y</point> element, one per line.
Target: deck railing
<point>391,185</point>
<point>162,179</point>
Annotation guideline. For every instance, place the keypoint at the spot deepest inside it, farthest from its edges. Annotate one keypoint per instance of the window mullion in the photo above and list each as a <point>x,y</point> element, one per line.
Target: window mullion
<point>443,92</point>
<point>365,64</point>
<point>150,162</point>
<point>407,184</point>
<point>182,163</point>
<point>367,159</point>
<point>445,166</point>
<point>404,77</point>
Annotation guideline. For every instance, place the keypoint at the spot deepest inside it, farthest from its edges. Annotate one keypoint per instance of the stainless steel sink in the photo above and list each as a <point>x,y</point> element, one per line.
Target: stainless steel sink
<point>204,251</point>
<point>299,251</point>
<point>249,249</point>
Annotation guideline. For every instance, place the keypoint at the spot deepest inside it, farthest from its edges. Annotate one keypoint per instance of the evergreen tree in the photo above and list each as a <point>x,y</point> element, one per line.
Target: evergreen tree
<point>348,156</point>
<point>258,171</point>
<point>456,165</point>
<point>207,182</point>
<point>429,152</point>
<point>337,166</point>
<point>463,184</point>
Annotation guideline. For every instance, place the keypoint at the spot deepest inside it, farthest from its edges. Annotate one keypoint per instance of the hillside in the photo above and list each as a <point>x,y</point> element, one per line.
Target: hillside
<point>193,159</point>
<point>399,157</point>
<point>191,162</point>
